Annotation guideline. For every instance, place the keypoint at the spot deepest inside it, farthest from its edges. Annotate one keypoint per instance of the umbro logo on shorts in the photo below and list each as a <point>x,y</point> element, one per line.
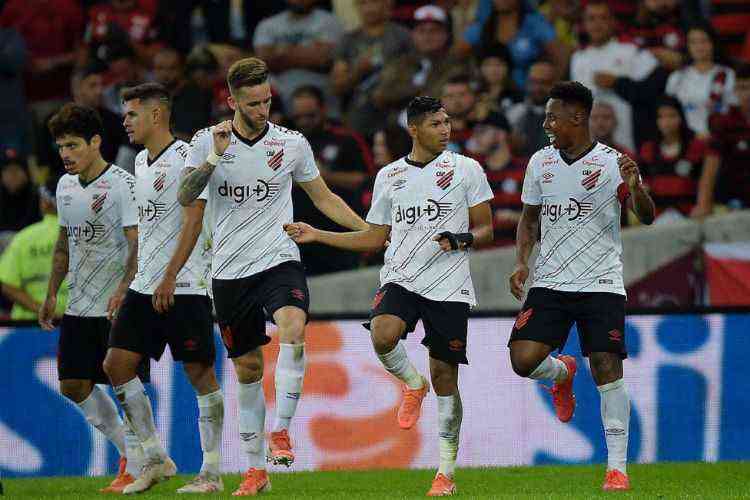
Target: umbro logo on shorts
<point>615,335</point>
<point>378,299</point>
<point>456,345</point>
<point>297,294</point>
<point>226,336</point>
<point>523,318</point>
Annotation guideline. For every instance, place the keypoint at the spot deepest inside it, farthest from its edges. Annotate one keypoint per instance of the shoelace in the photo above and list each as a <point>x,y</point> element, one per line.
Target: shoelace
<point>150,463</point>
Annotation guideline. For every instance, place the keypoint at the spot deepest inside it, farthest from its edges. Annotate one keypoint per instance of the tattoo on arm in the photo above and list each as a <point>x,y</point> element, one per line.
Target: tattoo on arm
<point>193,182</point>
<point>60,260</point>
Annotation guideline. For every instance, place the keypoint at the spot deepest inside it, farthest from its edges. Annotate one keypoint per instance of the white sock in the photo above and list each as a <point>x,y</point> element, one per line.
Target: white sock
<point>397,364</point>
<point>133,450</point>
<point>210,425</point>
<point>450,414</point>
<point>615,405</point>
<point>290,372</point>
<point>550,369</point>
<point>101,412</point>
<point>252,404</point>
<point>137,407</point>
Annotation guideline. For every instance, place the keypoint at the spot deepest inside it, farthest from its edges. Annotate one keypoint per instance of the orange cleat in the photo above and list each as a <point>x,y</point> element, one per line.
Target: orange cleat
<point>411,404</point>
<point>256,481</point>
<point>280,448</point>
<point>442,486</point>
<point>616,481</point>
<point>121,480</point>
<point>562,392</point>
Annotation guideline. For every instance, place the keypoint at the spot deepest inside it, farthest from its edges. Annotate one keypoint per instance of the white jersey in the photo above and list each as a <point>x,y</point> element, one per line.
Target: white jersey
<point>702,93</point>
<point>580,219</point>
<point>160,224</point>
<point>94,215</point>
<point>250,198</point>
<point>419,201</point>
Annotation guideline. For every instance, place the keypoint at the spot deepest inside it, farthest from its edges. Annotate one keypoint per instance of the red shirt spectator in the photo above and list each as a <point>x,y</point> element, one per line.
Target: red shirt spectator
<point>51,40</point>
<point>730,19</point>
<point>659,31</point>
<point>730,140</point>
<point>134,19</point>
<point>506,183</point>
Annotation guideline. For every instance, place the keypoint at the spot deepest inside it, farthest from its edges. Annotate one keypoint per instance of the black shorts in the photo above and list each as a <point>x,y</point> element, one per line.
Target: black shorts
<point>188,328</point>
<point>241,304</point>
<point>82,348</point>
<point>548,315</point>
<point>445,323</point>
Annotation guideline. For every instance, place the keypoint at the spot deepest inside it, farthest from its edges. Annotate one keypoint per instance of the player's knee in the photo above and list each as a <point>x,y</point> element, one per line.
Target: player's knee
<point>445,383</point>
<point>249,368</point>
<point>385,334</point>
<point>605,367</point>
<point>201,376</point>
<point>75,390</point>
<point>523,364</point>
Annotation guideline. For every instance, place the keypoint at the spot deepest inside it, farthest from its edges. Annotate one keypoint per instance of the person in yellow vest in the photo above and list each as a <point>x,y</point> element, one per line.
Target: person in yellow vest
<point>26,264</point>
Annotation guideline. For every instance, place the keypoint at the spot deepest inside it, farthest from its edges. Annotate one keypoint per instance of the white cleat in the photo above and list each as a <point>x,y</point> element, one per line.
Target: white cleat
<point>153,472</point>
<point>203,483</point>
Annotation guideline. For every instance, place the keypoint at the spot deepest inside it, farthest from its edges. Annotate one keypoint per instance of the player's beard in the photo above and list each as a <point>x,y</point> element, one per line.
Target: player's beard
<point>250,124</point>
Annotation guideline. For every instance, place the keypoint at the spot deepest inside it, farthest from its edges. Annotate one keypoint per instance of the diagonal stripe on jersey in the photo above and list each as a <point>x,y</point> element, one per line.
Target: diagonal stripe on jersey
<point>590,181</point>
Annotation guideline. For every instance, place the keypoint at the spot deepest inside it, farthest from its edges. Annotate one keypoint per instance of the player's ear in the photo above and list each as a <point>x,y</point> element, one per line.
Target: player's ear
<point>96,141</point>
<point>232,103</point>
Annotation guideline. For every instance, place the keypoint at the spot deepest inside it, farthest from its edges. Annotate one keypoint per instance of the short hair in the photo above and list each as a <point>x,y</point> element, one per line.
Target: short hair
<point>599,3</point>
<point>742,72</point>
<point>421,106</point>
<point>460,79</point>
<point>150,91</point>
<point>247,72</point>
<point>76,120</point>
<point>309,91</point>
<point>573,93</point>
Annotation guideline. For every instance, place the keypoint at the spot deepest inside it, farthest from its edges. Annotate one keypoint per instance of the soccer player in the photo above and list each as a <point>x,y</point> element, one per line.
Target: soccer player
<point>576,187</point>
<point>97,248</point>
<point>427,201</point>
<point>249,165</point>
<point>167,303</point>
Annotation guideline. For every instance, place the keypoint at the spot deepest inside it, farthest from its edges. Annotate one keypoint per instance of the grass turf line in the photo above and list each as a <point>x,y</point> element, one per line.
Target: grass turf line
<point>657,481</point>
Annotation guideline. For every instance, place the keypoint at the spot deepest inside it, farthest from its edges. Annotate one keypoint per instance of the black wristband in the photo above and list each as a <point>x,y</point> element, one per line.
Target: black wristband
<point>455,239</point>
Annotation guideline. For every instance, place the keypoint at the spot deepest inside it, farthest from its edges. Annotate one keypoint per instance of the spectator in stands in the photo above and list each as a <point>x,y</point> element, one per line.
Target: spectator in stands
<point>175,24</point>
<point>497,92</point>
<point>563,15</point>
<point>131,21</point>
<point>526,117</point>
<point>26,263</point>
<point>86,85</point>
<point>426,69</point>
<point>657,29</point>
<point>527,34</point>
<point>704,86</point>
<point>730,19</point>
<point>458,97</point>
<point>389,144</point>
<point>123,71</point>
<point>344,161</point>
<point>673,163</point>
<point>19,204</point>
<point>13,113</point>
<point>52,39</point>
<point>297,45</point>
<point>603,125</point>
<point>359,58</point>
<point>730,142</point>
<point>605,61</point>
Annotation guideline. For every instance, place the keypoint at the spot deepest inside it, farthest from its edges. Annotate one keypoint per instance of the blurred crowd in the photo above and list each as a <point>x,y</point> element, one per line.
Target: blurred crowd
<point>670,78</point>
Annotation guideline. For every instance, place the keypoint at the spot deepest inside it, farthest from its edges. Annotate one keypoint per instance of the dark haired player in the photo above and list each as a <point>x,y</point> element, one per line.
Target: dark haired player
<point>434,203</point>
<point>167,303</point>
<point>97,249</point>
<point>576,187</point>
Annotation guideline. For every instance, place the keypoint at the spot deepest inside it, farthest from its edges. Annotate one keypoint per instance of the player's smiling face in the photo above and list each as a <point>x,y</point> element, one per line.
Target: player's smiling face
<point>77,155</point>
<point>557,123</point>
<point>253,104</point>
<point>138,120</point>
<point>434,133</point>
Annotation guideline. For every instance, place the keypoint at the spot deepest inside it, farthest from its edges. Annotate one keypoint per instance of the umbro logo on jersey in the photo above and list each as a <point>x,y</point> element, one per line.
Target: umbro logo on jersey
<point>275,159</point>
<point>547,177</point>
<point>399,184</point>
<point>159,181</point>
<point>98,202</point>
<point>444,179</point>
<point>433,210</point>
<point>589,182</point>
<point>152,211</point>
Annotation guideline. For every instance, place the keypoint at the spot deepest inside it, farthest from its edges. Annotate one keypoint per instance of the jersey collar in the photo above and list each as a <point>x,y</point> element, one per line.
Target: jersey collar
<point>249,142</point>
<point>571,161</point>
<point>419,164</point>
<point>87,184</point>
<point>156,158</point>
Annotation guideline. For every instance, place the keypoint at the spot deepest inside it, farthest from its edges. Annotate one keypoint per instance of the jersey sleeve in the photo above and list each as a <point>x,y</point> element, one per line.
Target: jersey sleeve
<point>305,169</point>
<point>478,189</point>
<point>128,205</point>
<point>380,209</point>
<point>200,147</point>
<point>10,265</point>
<point>532,192</point>
<point>62,221</point>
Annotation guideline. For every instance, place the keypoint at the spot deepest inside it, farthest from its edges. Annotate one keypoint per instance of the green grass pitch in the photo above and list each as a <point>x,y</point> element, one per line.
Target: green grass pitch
<point>660,481</point>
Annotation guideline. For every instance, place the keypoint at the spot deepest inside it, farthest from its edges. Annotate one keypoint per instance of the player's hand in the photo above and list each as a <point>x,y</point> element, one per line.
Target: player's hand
<point>518,280</point>
<point>301,232</point>
<point>113,305</point>
<point>453,241</point>
<point>163,297</point>
<point>47,312</point>
<point>629,171</point>
<point>222,134</point>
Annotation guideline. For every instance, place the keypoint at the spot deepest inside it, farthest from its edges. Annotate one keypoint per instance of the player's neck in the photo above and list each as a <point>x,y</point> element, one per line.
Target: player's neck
<point>157,143</point>
<point>580,147</point>
<point>421,155</point>
<point>247,133</point>
<point>94,170</point>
